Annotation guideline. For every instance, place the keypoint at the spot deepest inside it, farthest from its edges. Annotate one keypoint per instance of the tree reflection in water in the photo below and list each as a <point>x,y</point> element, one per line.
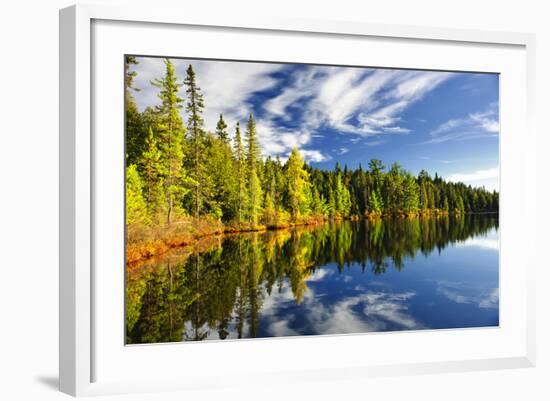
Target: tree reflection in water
<point>219,286</point>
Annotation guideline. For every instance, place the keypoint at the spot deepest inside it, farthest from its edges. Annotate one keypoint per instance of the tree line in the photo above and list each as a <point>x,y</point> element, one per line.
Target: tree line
<point>177,169</point>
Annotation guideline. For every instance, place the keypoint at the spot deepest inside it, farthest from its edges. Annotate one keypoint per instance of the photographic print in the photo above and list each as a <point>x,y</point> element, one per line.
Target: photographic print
<point>283,199</point>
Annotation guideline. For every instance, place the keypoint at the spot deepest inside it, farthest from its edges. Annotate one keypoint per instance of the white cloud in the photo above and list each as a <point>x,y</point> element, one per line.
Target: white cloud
<point>314,156</point>
<point>376,143</point>
<point>226,86</point>
<point>357,101</point>
<point>368,311</point>
<point>491,173</point>
<point>490,301</point>
<point>486,121</point>
<point>484,243</point>
<point>343,150</point>
<point>277,141</point>
<point>304,85</point>
<point>475,125</point>
<point>464,293</point>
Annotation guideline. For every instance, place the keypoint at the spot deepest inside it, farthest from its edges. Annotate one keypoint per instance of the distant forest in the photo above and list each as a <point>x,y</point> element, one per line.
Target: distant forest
<point>177,171</point>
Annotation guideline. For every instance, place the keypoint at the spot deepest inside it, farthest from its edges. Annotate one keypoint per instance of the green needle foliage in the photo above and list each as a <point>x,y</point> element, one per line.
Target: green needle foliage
<point>171,132</point>
<point>221,130</point>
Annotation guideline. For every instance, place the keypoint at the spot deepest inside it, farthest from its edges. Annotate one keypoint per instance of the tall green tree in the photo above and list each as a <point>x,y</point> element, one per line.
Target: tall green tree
<point>375,203</point>
<point>151,171</point>
<point>240,162</point>
<point>342,197</point>
<point>171,132</point>
<point>253,181</point>
<point>221,130</point>
<point>222,176</point>
<point>411,194</point>
<point>195,108</point>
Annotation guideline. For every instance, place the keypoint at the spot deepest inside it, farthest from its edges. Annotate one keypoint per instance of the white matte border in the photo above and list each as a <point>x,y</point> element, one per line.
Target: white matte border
<point>123,369</point>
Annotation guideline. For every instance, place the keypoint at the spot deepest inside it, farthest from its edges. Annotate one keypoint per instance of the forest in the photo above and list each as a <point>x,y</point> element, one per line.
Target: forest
<point>184,182</point>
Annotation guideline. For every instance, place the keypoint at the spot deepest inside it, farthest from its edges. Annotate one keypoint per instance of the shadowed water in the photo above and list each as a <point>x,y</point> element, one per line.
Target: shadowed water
<point>345,277</point>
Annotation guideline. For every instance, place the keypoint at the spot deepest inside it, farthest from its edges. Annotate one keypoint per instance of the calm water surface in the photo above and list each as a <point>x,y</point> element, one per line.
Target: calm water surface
<point>346,277</point>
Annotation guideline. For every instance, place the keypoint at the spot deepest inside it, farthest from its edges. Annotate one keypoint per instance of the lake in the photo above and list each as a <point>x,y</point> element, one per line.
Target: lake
<point>335,278</point>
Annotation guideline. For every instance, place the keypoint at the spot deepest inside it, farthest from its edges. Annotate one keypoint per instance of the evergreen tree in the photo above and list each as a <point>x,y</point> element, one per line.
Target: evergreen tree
<point>411,194</point>
<point>240,163</point>
<point>171,132</point>
<point>150,169</point>
<point>375,204</point>
<point>221,128</point>
<point>194,108</point>
<point>342,197</point>
<point>220,168</point>
<point>253,181</point>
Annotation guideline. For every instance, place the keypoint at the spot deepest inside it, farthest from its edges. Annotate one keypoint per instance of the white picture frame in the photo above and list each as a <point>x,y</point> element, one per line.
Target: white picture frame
<point>82,345</point>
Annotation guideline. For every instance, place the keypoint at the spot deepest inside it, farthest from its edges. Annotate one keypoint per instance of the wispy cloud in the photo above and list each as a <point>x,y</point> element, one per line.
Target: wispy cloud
<point>357,101</point>
<point>343,150</point>
<point>376,143</point>
<point>491,173</point>
<point>279,141</point>
<point>227,86</point>
<point>294,104</point>
<point>474,125</point>
<point>464,293</point>
<point>228,89</point>
<point>484,243</point>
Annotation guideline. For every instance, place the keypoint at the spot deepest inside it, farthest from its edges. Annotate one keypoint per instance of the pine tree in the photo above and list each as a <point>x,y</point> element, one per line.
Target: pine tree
<point>240,163</point>
<point>150,169</point>
<point>270,186</point>
<point>221,128</point>
<point>253,181</point>
<point>194,108</point>
<point>375,203</point>
<point>342,197</point>
<point>171,131</point>
<point>318,203</point>
<point>220,168</point>
<point>410,194</point>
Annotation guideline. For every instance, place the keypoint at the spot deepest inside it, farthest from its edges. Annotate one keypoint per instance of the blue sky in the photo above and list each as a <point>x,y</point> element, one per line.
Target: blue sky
<point>442,122</point>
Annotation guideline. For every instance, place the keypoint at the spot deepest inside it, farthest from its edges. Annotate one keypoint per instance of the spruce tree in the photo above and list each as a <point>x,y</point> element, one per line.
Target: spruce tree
<point>253,181</point>
<point>221,128</point>
<point>194,108</point>
<point>150,169</point>
<point>171,132</point>
<point>240,162</point>
<point>375,203</point>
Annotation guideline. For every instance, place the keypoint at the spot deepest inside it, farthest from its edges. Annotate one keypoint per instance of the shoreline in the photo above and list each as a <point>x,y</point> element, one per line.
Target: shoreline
<point>141,251</point>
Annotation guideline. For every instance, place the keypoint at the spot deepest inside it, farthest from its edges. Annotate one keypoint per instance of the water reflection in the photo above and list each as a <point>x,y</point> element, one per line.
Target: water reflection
<point>335,278</point>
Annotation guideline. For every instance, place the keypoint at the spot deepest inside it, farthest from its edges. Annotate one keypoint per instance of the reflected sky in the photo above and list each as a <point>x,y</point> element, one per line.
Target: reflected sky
<point>342,279</point>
